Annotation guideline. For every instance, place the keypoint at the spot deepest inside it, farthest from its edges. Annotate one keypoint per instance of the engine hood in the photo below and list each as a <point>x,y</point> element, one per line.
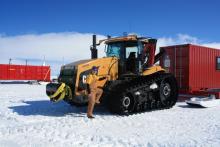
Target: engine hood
<point>75,64</point>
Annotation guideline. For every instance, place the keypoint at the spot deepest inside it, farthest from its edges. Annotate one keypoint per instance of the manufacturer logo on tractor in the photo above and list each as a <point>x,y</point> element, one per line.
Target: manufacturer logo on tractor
<point>84,79</point>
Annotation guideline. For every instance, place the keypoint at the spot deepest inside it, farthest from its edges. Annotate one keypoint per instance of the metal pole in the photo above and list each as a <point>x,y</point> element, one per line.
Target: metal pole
<point>175,61</point>
<point>63,60</point>
<point>26,69</point>
<point>10,61</point>
<point>44,63</point>
<point>181,68</point>
<point>9,69</point>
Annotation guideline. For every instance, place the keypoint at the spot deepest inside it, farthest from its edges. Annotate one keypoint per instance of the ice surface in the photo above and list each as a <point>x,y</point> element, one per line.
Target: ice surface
<point>28,118</point>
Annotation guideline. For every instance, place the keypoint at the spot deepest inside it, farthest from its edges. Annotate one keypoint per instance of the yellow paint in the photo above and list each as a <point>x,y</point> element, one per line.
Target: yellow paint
<point>107,66</point>
<point>91,77</point>
<point>152,70</point>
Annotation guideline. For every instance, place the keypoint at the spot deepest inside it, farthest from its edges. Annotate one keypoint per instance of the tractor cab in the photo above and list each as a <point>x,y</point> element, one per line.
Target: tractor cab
<point>135,54</point>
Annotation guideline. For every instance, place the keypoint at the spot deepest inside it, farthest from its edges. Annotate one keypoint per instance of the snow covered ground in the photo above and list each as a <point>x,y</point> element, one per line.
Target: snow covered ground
<point>28,118</point>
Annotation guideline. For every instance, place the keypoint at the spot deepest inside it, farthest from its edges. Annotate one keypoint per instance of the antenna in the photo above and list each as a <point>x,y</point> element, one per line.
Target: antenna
<point>129,26</point>
<point>125,34</point>
<point>108,36</point>
<point>63,60</point>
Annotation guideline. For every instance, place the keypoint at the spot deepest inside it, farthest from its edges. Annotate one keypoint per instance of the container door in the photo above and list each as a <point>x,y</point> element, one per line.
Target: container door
<point>181,66</point>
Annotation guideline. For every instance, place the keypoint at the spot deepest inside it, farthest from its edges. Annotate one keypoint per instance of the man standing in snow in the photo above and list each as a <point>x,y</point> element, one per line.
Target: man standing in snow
<point>94,92</point>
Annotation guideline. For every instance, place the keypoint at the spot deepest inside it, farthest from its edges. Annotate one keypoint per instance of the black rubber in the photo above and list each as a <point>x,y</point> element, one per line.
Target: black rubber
<point>147,99</point>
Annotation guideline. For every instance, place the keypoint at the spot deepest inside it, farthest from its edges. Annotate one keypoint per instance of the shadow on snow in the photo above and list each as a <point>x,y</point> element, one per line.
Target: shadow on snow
<point>47,108</point>
<point>190,106</point>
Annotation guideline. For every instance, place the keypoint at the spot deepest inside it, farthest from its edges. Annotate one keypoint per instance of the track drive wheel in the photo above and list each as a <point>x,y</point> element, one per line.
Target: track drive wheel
<point>122,104</point>
<point>168,91</point>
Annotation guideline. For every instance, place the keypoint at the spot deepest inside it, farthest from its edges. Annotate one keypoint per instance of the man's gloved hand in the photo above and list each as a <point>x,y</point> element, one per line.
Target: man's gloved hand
<point>108,77</point>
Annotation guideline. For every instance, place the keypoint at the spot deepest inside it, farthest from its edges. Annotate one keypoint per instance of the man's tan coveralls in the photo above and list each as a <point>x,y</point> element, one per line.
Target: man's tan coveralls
<point>94,92</point>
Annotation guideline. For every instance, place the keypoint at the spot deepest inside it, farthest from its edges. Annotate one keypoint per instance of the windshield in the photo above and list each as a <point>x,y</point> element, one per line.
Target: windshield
<point>124,48</point>
<point>113,50</point>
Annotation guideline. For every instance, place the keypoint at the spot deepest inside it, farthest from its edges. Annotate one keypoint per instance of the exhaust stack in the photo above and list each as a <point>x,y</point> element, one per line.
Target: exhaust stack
<point>94,52</point>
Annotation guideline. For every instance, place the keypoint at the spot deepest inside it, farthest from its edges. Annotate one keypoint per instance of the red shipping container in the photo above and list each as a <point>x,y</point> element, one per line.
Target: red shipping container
<point>24,72</point>
<point>196,68</point>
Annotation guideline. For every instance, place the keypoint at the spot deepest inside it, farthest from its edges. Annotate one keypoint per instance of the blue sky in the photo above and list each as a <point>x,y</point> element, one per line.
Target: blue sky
<point>61,30</point>
<point>155,18</point>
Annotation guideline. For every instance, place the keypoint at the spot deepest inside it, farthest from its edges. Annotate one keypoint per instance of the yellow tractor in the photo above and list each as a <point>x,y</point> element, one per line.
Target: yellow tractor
<point>135,82</point>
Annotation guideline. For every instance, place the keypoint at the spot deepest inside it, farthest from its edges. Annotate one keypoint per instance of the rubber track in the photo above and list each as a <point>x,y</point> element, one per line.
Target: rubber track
<point>152,99</point>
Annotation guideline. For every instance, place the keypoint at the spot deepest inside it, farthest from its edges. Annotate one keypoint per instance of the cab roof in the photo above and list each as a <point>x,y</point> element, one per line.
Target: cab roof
<point>126,38</point>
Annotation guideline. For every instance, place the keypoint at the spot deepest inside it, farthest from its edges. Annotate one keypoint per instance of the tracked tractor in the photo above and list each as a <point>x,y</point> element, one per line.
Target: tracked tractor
<point>135,82</point>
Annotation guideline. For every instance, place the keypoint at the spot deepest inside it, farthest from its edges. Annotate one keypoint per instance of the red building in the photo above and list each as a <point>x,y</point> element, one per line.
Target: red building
<point>24,72</point>
<point>196,68</point>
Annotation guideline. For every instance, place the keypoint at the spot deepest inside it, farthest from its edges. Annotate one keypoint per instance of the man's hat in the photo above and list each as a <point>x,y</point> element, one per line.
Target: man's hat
<point>95,68</point>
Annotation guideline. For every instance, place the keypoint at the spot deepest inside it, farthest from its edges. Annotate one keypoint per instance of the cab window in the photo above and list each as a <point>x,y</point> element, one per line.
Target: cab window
<point>130,50</point>
<point>113,50</point>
